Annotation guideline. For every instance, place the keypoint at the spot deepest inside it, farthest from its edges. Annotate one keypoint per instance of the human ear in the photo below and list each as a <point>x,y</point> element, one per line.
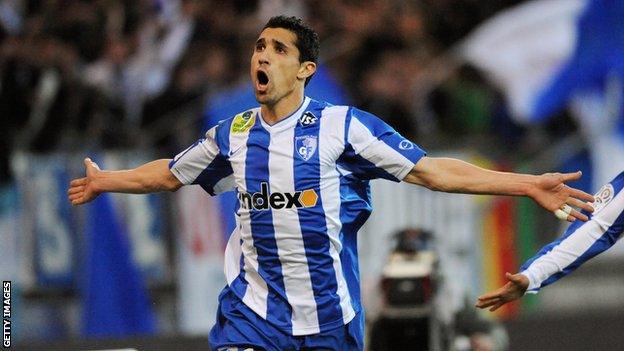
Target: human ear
<point>306,69</point>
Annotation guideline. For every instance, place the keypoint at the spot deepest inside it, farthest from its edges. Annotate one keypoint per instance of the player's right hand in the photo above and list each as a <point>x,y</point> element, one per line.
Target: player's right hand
<point>513,290</point>
<point>82,190</point>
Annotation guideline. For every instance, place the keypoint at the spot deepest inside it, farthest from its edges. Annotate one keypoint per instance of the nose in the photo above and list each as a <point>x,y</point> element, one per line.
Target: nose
<point>263,58</point>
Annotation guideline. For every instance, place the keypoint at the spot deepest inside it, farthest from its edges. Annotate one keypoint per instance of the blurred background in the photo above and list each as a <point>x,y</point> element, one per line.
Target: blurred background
<point>528,86</point>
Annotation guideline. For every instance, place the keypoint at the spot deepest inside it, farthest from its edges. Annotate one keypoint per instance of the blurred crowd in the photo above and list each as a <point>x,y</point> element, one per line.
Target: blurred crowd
<point>102,74</point>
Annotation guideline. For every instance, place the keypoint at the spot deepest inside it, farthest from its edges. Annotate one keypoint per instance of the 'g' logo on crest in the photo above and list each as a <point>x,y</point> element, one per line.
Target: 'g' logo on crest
<point>406,145</point>
<point>306,146</point>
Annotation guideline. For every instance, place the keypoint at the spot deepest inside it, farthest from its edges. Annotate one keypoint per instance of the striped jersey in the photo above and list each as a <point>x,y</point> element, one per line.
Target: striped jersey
<point>582,240</point>
<point>303,191</point>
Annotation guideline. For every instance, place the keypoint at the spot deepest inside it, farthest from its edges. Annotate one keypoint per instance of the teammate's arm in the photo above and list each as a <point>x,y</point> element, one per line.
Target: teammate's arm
<point>148,178</point>
<point>578,244</point>
<point>456,176</point>
<point>517,285</point>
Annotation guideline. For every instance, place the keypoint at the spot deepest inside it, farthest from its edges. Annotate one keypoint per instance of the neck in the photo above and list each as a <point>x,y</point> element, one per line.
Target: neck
<point>273,113</point>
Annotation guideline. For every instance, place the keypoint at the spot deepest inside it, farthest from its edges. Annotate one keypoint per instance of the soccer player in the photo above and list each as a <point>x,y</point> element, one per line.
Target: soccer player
<point>301,171</point>
<point>580,242</point>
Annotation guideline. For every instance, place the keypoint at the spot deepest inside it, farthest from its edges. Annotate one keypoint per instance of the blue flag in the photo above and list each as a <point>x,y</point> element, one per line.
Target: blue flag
<point>598,56</point>
<point>115,299</point>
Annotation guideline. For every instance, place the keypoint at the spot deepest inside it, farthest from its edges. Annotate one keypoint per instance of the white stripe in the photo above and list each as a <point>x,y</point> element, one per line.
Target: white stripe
<point>231,266</point>
<point>288,237</point>
<point>331,145</point>
<point>376,151</point>
<point>256,294</point>
<point>193,160</point>
<point>575,245</point>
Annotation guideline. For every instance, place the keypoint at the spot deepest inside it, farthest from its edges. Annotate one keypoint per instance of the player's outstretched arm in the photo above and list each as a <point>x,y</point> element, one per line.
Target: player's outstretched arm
<point>151,177</point>
<point>514,289</point>
<point>548,190</point>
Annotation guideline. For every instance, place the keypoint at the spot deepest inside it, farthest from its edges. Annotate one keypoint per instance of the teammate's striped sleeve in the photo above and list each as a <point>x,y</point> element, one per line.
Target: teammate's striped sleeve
<point>203,163</point>
<point>378,151</point>
<point>581,241</point>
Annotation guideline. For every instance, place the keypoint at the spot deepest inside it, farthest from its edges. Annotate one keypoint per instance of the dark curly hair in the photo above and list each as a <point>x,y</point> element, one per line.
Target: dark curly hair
<point>307,39</point>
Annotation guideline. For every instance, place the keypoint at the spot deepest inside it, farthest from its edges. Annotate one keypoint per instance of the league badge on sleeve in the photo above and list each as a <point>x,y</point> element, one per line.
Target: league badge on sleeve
<point>603,197</point>
<point>306,146</point>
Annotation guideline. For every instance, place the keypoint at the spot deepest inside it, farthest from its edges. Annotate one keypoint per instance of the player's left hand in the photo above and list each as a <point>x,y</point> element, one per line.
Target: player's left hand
<point>513,290</point>
<point>551,193</point>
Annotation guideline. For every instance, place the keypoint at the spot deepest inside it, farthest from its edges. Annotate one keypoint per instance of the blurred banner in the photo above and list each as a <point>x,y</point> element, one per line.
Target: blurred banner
<point>200,246</point>
<point>144,219</point>
<point>547,55</point>
<point>54,240</point>
<point>10,248</point>
<point>53,228</point>
<point>47,222</point>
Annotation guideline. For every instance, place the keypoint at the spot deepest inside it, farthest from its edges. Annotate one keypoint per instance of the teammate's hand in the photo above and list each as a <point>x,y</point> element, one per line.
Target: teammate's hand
<point>82,190</point>
<point>513,290</point>
<point>551,193</point>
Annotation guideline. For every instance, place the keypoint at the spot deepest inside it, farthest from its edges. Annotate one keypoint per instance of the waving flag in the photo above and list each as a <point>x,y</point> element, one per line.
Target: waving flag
<point>547,55</point>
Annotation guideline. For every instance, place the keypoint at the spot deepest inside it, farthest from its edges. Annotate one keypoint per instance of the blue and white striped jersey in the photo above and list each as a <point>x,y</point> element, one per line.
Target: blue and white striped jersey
<point>303,193</point>
<point>582,240</point>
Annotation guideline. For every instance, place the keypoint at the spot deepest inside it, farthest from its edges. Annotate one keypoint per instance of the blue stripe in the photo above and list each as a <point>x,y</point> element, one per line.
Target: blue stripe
<point>358,165</point>
<point>363,168</point>
<point>270,268</point>
<point>218,169</point>
<point>228,202</point>
<point>618,183</point>
<point>355,208</point>
<point>222,136</point>
<point>307,175</point>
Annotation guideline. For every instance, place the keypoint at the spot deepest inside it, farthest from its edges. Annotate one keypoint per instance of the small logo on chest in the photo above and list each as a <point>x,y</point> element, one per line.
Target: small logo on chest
<point>306,146</point>
<point>243,122</point>
<point>308,118</point>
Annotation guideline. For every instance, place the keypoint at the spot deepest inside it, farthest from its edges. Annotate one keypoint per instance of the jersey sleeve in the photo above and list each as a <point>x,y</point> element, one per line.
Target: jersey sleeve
<point>203,163</point>
<point>581,241</point>
<point>373,149</point>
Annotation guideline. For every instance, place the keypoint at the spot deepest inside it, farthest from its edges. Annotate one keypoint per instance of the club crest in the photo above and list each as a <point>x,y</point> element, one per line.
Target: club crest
<point>306,146</point>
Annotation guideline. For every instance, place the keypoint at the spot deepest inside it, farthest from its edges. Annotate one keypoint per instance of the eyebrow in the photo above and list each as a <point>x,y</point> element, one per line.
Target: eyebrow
<point>275,42</point>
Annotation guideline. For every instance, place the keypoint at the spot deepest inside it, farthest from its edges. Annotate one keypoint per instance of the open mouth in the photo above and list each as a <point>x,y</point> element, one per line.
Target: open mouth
<point>263,78</point>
